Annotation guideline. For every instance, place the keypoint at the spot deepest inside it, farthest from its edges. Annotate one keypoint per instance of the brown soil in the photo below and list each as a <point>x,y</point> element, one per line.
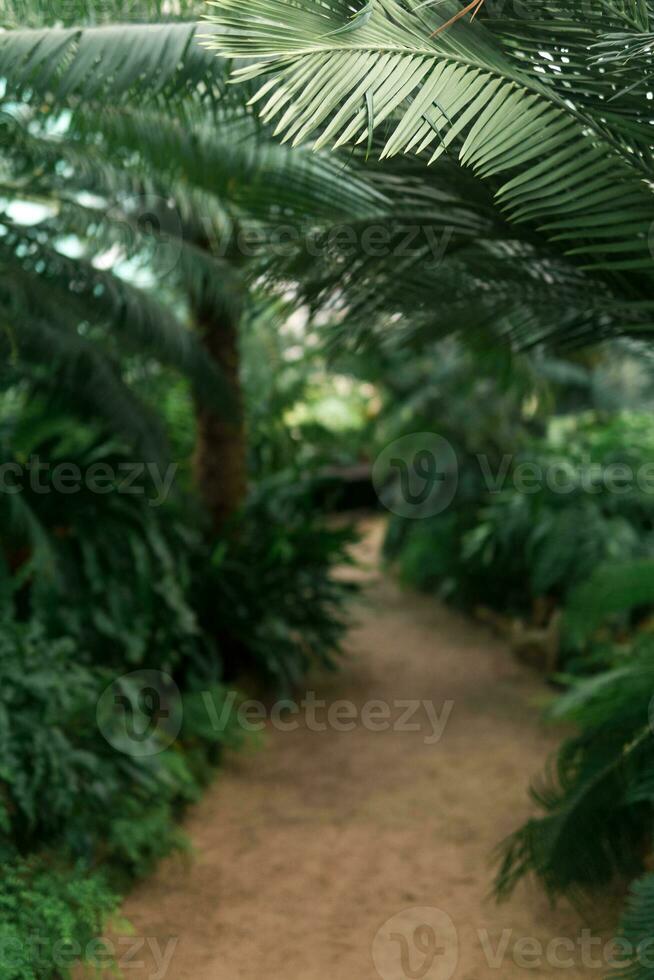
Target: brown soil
<point>306,847</point>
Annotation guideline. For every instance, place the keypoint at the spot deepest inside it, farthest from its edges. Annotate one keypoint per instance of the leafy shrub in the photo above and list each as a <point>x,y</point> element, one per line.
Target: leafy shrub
<point>510,547</point>
<point>66,791</point>
<point>607,598</point>
<point>269,592</point>
<point>61,782</point>
<point>598,797</point>
<point>111,566</point>
<point>92,587</point>
<point>543,545</point>
<point>50,916</point>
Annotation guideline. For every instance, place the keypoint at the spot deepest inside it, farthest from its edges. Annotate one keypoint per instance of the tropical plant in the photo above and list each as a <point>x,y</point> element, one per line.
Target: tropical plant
<point>597,800</point>
<point>270,591</point>
<point>609,599</point>
<point>514,99</point>
<point>531,526</point>
<point>157,198</point>
<point>90,547</point>
<point>71,799</point>
<point>50,914</point>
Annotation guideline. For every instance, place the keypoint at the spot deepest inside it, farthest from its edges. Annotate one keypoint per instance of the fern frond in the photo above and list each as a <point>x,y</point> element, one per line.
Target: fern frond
<point>636,930</point>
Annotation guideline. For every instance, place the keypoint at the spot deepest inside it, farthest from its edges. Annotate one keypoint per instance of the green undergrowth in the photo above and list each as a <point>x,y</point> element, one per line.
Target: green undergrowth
<point>125,626</point>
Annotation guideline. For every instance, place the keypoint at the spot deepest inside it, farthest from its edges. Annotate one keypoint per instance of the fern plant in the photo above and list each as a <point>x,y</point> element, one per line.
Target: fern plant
<point>50,914</point>
<point>597,799</point>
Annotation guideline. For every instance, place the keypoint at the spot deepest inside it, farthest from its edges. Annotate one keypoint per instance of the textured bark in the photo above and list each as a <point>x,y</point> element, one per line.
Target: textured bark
<point>221,452</point>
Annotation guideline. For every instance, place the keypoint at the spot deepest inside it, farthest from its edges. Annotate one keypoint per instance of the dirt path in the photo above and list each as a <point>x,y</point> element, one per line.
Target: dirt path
<point>306,848</point>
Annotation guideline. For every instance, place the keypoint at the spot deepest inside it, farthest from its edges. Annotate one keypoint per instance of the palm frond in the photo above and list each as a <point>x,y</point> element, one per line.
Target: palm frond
<point>235,163</point>
<point>90,378</point>
<point>72,290</point>
<point>384,68</point>
<point>43,13</point>
<point>588,834</point>
<point>112,61</point>
<point>584,55</point>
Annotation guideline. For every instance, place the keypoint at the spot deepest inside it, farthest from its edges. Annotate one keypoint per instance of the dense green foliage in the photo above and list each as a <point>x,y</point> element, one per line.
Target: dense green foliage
<point>556,512</point>
<point>269,590</point>
<point>95,586</point>
<point>119,585</point>
<point>143,205</point>
<point>72,802</point>
<point>554,245</point>
<point>135,192</point>
<point>536,523</point>
<point>51,918</point>
<point>598,799</point>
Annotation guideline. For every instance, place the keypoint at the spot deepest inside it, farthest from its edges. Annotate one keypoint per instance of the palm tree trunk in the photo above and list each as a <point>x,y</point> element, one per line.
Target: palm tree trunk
<point>220,462</point>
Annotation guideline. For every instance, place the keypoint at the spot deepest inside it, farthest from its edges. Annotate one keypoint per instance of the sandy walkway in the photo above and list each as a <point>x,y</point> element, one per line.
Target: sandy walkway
<point>307,847</point>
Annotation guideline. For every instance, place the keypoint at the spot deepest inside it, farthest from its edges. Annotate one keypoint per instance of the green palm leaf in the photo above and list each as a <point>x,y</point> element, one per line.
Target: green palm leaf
<point>457,90</point>
<point>111,60</point>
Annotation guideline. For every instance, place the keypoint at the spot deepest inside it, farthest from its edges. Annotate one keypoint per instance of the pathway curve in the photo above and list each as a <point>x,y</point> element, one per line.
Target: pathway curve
<point>305,848</point>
